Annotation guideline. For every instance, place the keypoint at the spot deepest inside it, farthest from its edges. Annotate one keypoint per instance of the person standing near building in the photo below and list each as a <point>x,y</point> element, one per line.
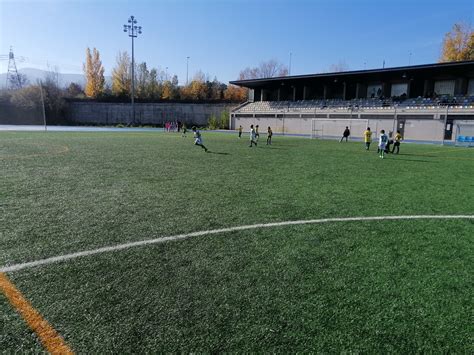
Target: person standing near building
<point>252,136</point>
<point>269,136</point>
<point>383,139</point>
<point>345,134</point>
<point>367,138</point>
<point>240,131</point>
<point>396,144</point>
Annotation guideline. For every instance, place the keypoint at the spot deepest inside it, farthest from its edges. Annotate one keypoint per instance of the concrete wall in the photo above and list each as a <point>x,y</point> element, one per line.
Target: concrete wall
<point>145,113</point>
<point>10,114</point>
<point>420,125</point>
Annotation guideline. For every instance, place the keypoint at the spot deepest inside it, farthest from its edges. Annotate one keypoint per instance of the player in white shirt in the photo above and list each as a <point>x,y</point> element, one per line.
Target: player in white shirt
<point>383,140</point>
<point>198,138</point>
<point>253,139</point>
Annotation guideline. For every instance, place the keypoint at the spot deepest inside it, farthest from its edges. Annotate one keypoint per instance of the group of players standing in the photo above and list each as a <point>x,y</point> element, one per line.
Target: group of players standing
<point>384,141</point>
<point>255,135</point>
<point>382,148</point>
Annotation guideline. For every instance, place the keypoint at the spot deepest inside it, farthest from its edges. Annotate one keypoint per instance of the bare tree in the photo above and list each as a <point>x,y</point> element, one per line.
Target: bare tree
<point>52,76</point>
<point>19,81</point>
<point>338,67</point>
<point>269,69</point>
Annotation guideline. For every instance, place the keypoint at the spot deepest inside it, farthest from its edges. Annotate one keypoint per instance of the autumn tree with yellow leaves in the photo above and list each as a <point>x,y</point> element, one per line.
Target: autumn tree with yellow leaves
<point>458,44</point>
<point>235,93</point>
<point>94,72</point>
<point>122,76</point>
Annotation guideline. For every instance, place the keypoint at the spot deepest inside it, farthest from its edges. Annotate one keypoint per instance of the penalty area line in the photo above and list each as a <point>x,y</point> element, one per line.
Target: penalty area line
<point>65,257</point>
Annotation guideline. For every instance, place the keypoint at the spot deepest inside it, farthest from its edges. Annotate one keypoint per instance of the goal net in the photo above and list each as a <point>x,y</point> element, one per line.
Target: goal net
<point>333,128</point>
<point>465,134</point>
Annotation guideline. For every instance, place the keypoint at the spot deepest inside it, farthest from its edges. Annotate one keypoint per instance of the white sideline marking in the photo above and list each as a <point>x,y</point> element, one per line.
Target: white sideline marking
<point>55,259</point>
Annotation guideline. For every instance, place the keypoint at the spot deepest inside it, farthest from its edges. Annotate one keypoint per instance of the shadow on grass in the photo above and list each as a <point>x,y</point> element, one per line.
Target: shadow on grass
<point>217,153</point>
<point>415,160</point>
<point>272,147</point>
<point>417,155</point>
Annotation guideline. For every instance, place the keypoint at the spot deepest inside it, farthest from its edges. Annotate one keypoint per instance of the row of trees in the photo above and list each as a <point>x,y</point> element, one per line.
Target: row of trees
<point>154,84</point>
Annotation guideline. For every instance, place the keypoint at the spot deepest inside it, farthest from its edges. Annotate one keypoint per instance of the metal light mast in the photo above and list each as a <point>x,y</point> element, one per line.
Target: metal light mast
<point>133,31</point>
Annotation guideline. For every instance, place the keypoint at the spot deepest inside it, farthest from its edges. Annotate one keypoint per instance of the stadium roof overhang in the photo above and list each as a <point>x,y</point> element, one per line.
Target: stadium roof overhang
<point>425,71</point>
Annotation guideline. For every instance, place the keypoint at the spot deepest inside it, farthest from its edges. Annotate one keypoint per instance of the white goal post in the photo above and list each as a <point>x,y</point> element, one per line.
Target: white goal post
<point>327,128</point>
<point>465,134</point>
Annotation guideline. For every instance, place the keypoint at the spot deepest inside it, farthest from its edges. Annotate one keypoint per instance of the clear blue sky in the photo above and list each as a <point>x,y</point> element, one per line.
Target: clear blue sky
<point>224,36</point>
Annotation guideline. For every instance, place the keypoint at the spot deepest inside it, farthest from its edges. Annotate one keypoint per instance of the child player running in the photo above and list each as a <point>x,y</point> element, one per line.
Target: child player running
<point>198,138</point>
<point>383,139</point>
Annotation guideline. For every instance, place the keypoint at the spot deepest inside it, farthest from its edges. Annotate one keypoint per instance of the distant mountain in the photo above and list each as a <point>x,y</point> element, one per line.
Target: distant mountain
<point>34,74</point>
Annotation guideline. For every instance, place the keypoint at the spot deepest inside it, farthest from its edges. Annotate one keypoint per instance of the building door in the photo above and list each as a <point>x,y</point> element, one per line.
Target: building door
<point>401,126</point>
<point>448,130</point>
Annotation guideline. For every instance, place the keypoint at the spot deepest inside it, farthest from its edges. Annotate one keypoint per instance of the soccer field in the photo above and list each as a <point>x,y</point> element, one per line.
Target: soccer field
<point>362,285</point>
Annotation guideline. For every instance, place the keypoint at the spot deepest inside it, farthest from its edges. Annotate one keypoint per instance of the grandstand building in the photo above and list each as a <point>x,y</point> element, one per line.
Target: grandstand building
<point>431,103</point>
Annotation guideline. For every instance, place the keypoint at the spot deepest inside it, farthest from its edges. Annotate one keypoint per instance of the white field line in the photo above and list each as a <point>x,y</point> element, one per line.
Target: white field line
<point>59,258</point>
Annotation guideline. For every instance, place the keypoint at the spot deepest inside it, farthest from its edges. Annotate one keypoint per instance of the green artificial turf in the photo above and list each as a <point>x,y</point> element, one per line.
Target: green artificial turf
<point>398,286</point>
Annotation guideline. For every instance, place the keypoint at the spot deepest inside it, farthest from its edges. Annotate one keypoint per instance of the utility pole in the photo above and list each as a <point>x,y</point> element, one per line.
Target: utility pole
<point>289,66</point>
<point>133,31</point>
<point>187,69</point>
<point>40,84</point>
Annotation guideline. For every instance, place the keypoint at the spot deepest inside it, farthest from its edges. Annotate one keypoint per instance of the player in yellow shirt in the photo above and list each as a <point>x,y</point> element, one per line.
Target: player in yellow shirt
<point>367,138</point>
<point>398,138</point>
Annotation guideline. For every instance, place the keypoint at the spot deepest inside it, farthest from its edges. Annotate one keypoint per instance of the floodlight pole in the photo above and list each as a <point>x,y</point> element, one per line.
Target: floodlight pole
<point>42,103</point>
<point>133,31</point>
<point>187,69</point>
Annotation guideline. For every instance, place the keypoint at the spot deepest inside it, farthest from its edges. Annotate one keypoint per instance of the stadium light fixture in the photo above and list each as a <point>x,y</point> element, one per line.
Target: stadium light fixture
<point>133,32</point>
